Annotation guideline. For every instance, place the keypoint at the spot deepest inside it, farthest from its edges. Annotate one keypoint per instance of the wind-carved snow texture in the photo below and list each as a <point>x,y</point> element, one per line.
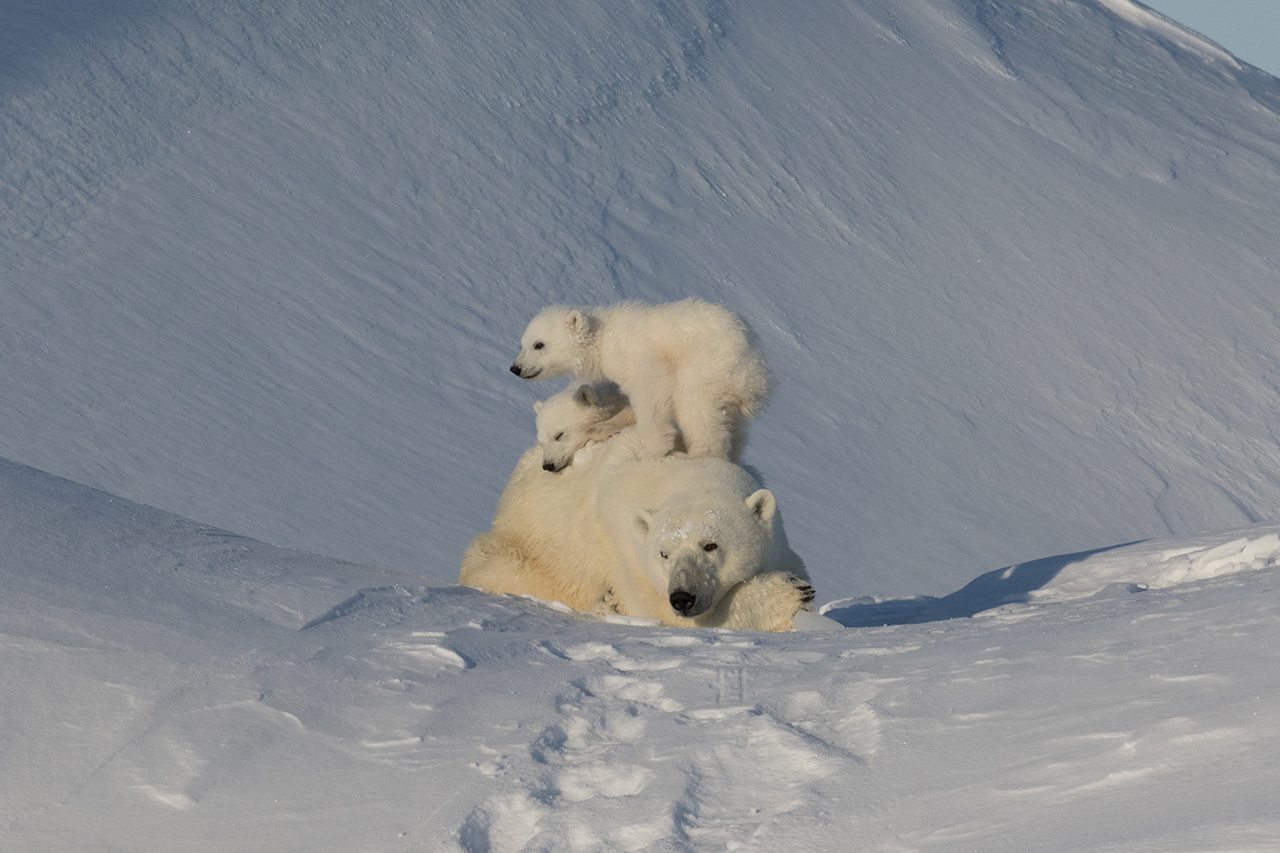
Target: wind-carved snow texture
<point>1136,567</point>
<point>179,686</point>
<point>589,767</point>
<point>1013,262</point>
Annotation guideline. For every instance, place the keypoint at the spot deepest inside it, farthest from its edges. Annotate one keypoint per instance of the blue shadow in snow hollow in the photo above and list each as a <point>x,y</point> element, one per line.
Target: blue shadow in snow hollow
<point>1012,585</point>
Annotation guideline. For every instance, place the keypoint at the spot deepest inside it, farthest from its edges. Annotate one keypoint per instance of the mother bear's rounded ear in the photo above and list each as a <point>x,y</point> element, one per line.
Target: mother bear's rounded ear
<point>576,321</point>
<point>762,504</point>
<point>537,406</point>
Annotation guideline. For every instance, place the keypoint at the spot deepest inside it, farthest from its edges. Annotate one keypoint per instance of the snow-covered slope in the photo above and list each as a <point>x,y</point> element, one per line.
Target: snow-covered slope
<point>171,686</point>
<point>1013,262</point>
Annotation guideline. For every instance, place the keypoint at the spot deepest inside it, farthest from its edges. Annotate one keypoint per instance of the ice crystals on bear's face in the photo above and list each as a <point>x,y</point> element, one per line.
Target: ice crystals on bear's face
<point>705,530</point>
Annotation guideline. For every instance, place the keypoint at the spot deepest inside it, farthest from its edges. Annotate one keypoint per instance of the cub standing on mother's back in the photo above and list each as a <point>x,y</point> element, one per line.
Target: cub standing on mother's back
<point>691,369</point>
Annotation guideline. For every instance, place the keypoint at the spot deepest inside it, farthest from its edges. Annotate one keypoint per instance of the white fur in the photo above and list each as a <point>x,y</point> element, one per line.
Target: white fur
<point>691,369</point>
<point>545,541</point>
<point>576,537</point>
<point>703,527</point>
<point>577,416</point>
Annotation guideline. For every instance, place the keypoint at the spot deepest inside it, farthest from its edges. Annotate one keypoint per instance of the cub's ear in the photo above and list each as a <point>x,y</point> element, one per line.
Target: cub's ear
<point>586,395</point>
<point>643,520</point>
<point>576,321</point>
<point>608,428</point>
<point>762,503</point>
<point>537,406</point>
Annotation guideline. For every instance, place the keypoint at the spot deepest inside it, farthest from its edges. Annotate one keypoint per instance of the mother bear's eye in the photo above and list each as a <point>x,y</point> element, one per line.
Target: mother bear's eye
<point>539,345</point>
<point>709,547</point>
<point>663,554</point>
<point>557,436</point>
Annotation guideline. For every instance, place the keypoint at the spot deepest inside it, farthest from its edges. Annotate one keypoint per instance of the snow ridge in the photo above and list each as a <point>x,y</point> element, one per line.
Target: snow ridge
<point>1149,19</point>
<point>208,687</point>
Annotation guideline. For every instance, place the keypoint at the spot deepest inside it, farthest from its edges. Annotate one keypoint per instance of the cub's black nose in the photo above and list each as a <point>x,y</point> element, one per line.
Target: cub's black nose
<point>548,466</point>
<point>515,368</point>
<point>682,602</point>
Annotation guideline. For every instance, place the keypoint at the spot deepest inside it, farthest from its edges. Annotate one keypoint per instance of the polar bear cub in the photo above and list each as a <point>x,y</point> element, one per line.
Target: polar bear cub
<point>691,369</point>
<point>577,416</point>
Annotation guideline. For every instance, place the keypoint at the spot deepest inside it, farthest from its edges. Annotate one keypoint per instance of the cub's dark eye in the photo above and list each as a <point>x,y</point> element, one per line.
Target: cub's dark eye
<point>539,345</point>
<point>709,547</point>
<point>557,436</point>
<point>663,554</point>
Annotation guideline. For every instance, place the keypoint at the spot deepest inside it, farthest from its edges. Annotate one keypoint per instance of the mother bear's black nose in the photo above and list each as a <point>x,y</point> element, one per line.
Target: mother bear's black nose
<point>515,368</point>
<point>682,602</point>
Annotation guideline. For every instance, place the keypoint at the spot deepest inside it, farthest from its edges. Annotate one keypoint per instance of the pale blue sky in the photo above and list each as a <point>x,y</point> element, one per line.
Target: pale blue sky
<point>1248,28</point>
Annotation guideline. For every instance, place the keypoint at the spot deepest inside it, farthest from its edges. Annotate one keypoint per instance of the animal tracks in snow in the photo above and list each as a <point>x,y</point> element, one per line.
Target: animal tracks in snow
<point>570,734</point>
<point>732,767</point>
<point>425,646</point>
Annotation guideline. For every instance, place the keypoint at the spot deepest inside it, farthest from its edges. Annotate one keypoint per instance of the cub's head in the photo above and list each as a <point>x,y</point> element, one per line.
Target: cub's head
<point>551,343</point>
<point>699,547</point>
<point>577,416</point>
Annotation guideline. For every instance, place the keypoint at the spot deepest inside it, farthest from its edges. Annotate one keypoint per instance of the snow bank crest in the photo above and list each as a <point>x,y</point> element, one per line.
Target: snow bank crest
<point>1137,567</point>
<point>1169,30</point>
<point>1156,566</point>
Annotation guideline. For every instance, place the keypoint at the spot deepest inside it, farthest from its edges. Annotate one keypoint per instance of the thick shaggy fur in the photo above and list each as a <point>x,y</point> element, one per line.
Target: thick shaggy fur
<point>528,550</point>
<point>577,537</point>
<point>701,532</point>
<point>692,370</point>
<point>544,541</point>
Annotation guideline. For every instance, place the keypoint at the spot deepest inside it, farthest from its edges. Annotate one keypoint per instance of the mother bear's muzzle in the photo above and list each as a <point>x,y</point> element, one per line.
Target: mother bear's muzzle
<point>692,588</point>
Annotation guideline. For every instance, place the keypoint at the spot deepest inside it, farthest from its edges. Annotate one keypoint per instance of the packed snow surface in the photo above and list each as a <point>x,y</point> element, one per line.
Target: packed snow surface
<point>1013,264</point>
<point>172,686</point>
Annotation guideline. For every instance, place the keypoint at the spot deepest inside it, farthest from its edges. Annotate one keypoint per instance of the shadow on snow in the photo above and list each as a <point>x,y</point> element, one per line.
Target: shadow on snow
<point>1012,585</point>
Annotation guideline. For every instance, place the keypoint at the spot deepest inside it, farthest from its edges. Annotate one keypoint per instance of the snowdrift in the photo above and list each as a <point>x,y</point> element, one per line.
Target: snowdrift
<point>172,686</point>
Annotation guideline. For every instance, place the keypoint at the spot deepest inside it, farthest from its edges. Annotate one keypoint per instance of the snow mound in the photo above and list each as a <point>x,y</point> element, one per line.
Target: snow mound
<point>1136,567</point>
<point>1156,565</point>
<point>183,688</point>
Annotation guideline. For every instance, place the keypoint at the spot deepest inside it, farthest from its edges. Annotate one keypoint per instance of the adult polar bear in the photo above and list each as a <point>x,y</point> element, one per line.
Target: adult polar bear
<point>543,541</point>
<point>524,552</point>
<point>691,369</point>
<point>706,550</point>
<point>711,552</point>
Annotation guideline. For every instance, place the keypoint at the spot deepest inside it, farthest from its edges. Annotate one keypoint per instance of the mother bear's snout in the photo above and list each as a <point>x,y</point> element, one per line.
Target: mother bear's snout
<point>682,602</point>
